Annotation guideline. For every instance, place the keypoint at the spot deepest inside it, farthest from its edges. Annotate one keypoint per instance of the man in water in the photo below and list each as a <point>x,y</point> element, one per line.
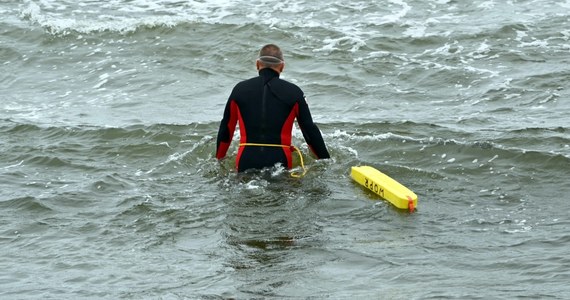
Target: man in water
<point>266,107</point>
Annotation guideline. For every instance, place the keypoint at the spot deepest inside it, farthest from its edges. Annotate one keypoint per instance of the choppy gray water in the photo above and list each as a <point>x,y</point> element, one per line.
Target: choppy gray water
<point>109,188</point>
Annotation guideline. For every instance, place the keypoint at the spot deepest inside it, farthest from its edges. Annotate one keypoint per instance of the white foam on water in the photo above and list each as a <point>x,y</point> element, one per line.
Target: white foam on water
<point>418,29</point>
<point>331,44</point>
<point>61,17</point>
<point>396,17</point>
<point>64,16</point>
<point>12,166</point>
<point>565,4</point>
<point>535,44</point>
<point>483,49</point>
<point>487,5</point>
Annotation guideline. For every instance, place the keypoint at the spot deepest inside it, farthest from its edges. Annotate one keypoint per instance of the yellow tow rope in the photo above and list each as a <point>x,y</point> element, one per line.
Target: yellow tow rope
<point>293,174</point>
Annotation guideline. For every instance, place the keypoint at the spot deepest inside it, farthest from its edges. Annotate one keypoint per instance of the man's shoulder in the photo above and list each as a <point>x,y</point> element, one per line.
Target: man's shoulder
<point>278,83</point>
<point>289,86</point>
<point>247,82</point>
<point>287,82</point>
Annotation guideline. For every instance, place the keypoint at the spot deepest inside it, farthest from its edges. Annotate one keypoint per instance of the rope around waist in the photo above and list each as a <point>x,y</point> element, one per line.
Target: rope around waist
<point>293,174</point>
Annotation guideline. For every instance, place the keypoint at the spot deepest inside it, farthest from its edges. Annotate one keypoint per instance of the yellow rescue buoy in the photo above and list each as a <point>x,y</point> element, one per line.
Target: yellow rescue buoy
<point>384,186</point>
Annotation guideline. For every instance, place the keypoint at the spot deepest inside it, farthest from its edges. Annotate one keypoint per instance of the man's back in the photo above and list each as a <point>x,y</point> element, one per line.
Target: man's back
<point>266,108</point>
<point>268,105</point>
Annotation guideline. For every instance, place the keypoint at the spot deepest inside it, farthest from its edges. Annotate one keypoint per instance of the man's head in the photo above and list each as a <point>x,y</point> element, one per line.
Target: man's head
<point>270,56</point>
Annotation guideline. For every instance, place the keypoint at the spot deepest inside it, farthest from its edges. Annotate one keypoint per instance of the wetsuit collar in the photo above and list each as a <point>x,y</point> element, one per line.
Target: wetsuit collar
<point>268,73</point>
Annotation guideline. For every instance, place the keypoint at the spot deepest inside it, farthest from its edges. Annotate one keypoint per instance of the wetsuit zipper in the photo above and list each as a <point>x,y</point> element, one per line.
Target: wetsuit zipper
<point>266,86</point>
<point>263,112</point>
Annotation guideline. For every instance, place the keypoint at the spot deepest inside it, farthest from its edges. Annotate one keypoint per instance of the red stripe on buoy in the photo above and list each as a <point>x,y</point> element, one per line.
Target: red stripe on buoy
<point>411,204</point>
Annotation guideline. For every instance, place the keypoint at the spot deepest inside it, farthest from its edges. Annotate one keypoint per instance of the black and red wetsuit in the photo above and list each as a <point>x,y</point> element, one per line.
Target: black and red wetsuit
<point>266,107</point>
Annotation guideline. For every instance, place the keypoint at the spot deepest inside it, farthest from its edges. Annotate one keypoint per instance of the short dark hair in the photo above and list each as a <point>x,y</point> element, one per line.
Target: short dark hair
<point>271,55</point>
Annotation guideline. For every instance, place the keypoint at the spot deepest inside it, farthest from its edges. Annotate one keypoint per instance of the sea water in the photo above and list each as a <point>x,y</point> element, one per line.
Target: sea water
<point>109,186</point>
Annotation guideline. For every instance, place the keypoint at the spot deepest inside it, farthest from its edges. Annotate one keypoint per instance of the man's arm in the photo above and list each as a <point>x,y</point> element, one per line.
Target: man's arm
<point>227,128</point>
<point>311,132</point>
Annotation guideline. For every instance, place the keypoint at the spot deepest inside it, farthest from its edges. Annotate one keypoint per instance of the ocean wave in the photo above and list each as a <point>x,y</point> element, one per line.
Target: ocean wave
<point>64,25</point>
<point>108,139</point>
<point>180,142</point>
<point>58,162</point>
<point>65,17</point>
<point>432,145</point>
<point>25,205</point>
